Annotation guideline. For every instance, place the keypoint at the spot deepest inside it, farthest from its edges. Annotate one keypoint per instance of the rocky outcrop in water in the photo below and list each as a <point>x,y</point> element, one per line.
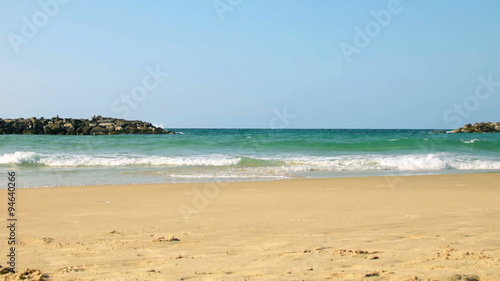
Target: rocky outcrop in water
<point>97,125</point>
<point>485,127</point>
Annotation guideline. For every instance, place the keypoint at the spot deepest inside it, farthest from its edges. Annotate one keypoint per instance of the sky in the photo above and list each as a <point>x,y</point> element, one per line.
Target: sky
<point>253,64</point>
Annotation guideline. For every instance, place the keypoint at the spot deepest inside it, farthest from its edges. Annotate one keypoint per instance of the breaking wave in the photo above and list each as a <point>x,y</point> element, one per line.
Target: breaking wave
<point>412,162</point>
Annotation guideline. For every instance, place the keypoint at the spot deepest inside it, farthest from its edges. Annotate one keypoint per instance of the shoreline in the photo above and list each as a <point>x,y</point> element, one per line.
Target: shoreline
<point>396,174</point>
<point>428,227</point>
<point>244,155</point>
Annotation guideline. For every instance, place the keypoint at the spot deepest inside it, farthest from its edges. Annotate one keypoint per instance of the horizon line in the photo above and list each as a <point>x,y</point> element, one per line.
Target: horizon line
<point>256,128</point>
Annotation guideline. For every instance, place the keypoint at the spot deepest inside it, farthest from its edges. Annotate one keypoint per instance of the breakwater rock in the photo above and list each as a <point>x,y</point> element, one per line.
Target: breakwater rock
<point>485,127</point>
<point>97,125</point>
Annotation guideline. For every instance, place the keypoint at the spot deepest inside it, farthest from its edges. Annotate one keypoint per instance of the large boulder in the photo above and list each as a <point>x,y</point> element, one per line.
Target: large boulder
<point>84,130</point>
<point>53,129</point>
<point>98,130</point>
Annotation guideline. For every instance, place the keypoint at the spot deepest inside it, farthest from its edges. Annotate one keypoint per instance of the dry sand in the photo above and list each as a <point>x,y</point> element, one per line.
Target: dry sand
<point>376,228</point>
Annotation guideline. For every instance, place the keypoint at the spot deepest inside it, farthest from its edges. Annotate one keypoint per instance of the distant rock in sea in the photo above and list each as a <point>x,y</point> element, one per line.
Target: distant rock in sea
<point>97,125</point>
<point>485,127</point>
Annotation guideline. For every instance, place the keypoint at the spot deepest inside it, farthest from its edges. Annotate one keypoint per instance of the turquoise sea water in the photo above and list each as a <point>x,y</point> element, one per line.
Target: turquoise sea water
<point>204,155</point>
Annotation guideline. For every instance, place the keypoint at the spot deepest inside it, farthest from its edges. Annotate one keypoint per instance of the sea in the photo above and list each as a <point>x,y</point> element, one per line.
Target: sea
<point>222,155</point>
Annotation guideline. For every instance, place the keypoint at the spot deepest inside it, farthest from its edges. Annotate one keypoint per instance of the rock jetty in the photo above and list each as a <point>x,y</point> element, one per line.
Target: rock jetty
<point>97,125</point>
<point>485,127</point>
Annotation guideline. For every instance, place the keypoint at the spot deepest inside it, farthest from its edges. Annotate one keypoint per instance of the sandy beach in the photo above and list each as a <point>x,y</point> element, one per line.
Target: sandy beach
<point>442,227</point>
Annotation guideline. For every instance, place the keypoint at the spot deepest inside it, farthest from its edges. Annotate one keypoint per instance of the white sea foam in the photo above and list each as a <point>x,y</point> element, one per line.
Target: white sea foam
<point>113,160</point>
<point>397,139</point>
<point>275,165</point>
<point>470,141</point>
<point>20,157</point>
<point>414,162</point>
<point>227,176</point>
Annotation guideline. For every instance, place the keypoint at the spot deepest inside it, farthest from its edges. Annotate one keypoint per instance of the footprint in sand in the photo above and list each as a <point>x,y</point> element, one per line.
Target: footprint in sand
<point>168,239</point>
<point>46,240</point>
<point>356,253</point>
<point>76,268</point>
<point>461,277</point>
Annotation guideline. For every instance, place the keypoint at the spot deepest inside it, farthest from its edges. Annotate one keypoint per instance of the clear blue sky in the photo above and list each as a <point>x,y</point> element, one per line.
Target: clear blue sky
<point>239,65</point>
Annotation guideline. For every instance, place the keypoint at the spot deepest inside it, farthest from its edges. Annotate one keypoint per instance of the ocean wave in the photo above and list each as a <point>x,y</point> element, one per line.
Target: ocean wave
<point>296,166</point>
<point>112,160</point>
<point>275,164</point>
<point>470,141</point>
<point>415,162</point>
<point>20,157</point>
